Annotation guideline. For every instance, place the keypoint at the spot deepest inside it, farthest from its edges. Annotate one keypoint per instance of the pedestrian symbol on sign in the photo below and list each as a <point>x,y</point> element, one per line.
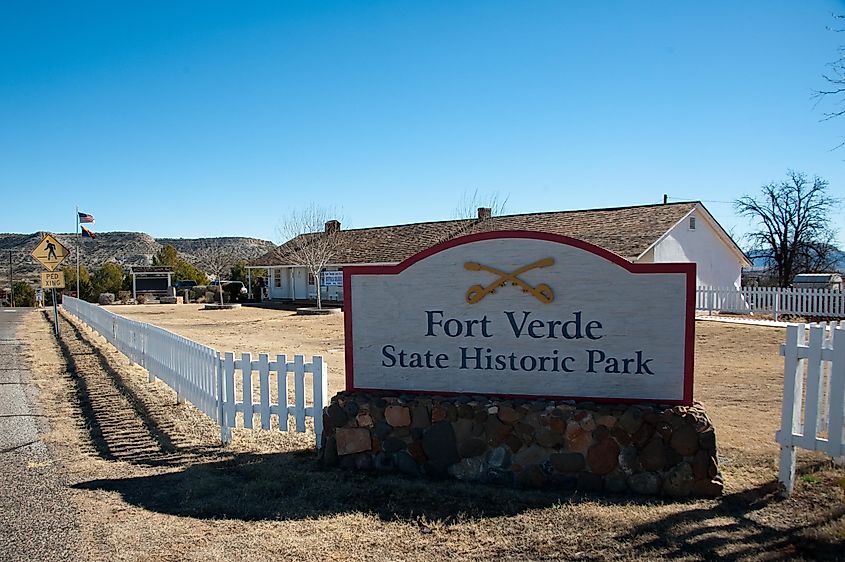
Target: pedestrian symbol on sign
<point>50,252</point>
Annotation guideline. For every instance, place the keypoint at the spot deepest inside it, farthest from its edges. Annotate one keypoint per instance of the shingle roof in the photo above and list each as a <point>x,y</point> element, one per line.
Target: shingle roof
<point>627,231</point>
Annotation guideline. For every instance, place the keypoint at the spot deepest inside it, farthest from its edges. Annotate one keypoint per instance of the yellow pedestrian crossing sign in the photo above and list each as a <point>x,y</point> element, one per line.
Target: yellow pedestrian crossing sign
<point>50,252</point>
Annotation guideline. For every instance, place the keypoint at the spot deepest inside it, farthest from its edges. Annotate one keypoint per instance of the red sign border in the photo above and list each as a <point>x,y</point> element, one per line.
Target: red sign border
<point>685,268</point>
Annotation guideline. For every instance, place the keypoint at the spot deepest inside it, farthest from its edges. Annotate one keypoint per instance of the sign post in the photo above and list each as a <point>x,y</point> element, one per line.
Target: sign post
<point>51,253</point>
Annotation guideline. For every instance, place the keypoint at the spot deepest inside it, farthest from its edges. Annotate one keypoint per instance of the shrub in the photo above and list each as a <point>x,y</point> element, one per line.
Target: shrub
<point>24,294</point>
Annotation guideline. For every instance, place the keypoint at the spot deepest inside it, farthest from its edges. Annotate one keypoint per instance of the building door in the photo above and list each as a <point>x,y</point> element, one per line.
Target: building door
<point>300,283</point>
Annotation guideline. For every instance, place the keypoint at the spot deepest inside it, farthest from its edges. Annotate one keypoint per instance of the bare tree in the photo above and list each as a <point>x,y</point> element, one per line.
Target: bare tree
<point>470,202</point>
<point>793,231</point>
<point>835,78</point>
<point>310,238</point>
<point>218,257</point>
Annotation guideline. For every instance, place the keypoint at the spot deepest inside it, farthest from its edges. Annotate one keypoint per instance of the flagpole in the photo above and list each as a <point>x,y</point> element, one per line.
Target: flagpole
<point>77,252</point>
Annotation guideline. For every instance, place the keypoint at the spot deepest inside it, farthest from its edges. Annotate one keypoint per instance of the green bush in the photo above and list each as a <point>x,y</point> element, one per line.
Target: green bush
<point>168,257</point>
<point>24,294</point>
<point>108,279</point>
<point>87,291</point>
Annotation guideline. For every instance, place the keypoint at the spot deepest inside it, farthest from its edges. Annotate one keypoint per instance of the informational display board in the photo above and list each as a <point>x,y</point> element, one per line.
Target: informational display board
<point>151,284</point>
<point>332,278</point>
<point>522,314</point>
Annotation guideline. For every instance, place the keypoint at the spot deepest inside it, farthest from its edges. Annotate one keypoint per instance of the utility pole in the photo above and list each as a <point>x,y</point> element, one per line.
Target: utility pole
<point>11,282</point>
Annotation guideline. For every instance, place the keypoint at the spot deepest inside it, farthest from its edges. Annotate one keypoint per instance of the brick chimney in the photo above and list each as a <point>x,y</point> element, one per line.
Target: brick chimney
<point>332,226</point>
<point>484,213</point>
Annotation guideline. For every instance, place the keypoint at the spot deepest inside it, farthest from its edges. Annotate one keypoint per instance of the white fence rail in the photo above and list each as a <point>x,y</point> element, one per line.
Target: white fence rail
<point>200,375</point>
<point>826,303</point>
<point>813,394</point>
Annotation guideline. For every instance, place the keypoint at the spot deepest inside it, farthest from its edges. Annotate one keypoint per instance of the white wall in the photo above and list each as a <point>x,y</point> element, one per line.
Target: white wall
<point>283,275</point>
<point>716,264</point>
<point>301,289</point>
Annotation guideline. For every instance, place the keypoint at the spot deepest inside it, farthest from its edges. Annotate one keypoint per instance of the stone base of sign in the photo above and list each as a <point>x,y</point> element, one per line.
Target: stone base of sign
<point>639,449</point>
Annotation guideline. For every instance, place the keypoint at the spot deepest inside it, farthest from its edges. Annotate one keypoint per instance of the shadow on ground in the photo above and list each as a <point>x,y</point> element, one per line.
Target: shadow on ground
<point>754,524</point>
<point>293,486</point>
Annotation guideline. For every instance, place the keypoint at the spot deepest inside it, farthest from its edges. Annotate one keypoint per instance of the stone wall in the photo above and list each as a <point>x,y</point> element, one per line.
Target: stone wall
<point>640,449</point>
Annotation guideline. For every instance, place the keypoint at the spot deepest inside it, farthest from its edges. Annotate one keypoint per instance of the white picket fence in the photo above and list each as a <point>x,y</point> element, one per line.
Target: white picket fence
<point>813,394</point>
<point>776,301</point>
<point>206,379</point>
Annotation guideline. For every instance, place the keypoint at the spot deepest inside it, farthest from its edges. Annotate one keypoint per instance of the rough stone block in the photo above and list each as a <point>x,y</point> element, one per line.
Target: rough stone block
<point>684,440</point>
<point>420,417</point>
<point>603,457</point>
<point>467,469</point>
<point>679,481</point>
<point>646,483</point>
<point>508,415</point>
<point>364,419</point>
<point>439,444</point>
<point>577,439</point>
<point>352,440</point>
<point>568,462</point>
<point>397,416</point>
<point>631,420</point>
<point>471,448</point>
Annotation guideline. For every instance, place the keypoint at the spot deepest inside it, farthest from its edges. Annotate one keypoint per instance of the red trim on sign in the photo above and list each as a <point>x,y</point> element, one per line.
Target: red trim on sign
<point>687,269</point>
<point>347,325</point>
<point>601,400</point>
<point>689,339</point>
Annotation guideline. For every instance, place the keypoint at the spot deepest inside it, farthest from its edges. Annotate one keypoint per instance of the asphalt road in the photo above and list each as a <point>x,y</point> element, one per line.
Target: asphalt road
<point>37,520</point>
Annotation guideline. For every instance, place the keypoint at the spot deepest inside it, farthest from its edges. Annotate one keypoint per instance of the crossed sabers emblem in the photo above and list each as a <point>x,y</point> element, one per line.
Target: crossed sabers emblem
<point>541,292</point>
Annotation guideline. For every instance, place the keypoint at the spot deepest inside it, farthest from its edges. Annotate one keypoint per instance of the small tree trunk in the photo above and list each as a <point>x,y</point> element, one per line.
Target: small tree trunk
<point>317,283</point>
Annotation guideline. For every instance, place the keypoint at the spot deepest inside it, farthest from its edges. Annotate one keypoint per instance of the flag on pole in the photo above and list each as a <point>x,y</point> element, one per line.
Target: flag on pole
<point>85,217</point>
<point>87,233</point>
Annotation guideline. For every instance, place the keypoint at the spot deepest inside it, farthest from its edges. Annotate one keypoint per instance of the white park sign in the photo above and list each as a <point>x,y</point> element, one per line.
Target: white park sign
<point>522,314</point>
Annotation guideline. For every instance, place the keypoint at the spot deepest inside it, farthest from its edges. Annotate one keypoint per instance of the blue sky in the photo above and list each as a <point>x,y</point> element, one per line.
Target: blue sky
<point>210,118</point>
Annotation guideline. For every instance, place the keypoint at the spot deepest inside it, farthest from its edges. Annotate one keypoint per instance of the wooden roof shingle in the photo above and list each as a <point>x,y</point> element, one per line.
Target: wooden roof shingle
<point>626,231</point>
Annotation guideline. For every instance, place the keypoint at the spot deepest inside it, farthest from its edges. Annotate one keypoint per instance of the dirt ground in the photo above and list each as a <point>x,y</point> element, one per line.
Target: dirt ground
<point>152,483</point>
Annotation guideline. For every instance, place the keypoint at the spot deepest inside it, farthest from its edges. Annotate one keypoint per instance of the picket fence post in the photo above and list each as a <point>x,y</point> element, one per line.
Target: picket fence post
<point>225,430</point>
<point>792,379</point>
<point>318,382</point>
<point>836,397</point>
<point>299,392</point>
<point>282,390</point>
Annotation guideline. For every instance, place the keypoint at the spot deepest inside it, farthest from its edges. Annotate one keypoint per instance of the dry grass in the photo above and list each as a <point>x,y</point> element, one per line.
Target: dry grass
<point>266,498</point>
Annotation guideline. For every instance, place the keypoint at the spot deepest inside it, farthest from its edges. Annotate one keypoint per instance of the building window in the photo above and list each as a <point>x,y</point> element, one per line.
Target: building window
<point>277,278</point>
<point>692,223</point>
<point>311,279</point>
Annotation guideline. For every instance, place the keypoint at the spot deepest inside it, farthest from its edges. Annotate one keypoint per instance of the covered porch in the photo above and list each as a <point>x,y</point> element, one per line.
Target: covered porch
<point>294,284</point>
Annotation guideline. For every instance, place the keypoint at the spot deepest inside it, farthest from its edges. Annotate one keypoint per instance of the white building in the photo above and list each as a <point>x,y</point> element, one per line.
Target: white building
<point>673,232</point>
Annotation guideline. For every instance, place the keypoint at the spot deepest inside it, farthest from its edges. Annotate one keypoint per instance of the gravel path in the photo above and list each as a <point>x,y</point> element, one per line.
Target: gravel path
<point>37,520</point>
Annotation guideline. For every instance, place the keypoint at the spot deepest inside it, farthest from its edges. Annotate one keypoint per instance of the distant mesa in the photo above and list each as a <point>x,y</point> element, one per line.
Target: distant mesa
<point>127,249</point>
